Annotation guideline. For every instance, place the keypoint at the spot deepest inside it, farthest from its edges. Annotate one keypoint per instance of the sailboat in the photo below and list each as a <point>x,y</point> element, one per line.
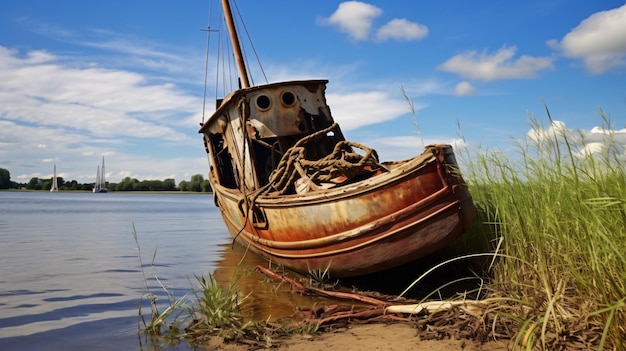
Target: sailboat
<point>55,187</point>
<point>100,184</point>
<point>291,188</point>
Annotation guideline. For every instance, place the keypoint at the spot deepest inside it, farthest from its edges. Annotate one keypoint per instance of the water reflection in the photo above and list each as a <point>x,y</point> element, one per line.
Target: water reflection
<point>266,298</point>
<point>273,300</point>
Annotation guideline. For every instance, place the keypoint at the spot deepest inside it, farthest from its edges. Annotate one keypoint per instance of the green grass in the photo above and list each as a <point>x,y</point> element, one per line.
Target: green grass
<point>212,311</point>
<point>168,319</point>
<point>216,311</point>
<point>561,212</point>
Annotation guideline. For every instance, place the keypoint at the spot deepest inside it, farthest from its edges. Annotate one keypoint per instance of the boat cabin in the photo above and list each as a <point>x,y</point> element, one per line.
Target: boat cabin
<point>276,117</point>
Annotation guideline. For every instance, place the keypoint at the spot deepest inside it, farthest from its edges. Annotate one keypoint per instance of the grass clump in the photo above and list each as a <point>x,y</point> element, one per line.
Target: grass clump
<point>158,320</point>
<point>212,313</point>
<point>561,211</point>
<point>216,311</point>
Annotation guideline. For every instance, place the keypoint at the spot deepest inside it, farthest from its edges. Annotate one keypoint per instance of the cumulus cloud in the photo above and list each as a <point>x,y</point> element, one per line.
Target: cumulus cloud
<point>407,146</point>
<point>357,18</point>
<point>65,110</point>
<point>555,129</point>
<point>487,66</point>
<point>41,89</point>
<point>354,18</point>
<point>583,143</point>
<point>599,40</point>
<point>464,88</point>
<point>401,29</point>
<point>359,109</point>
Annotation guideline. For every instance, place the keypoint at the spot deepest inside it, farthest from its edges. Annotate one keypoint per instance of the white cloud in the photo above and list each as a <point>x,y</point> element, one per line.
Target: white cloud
<point>123,50</point>
<point>354,18</point>
<point>70,112</point>
<point>592,148</point>
<point>77,155</point>
<point>499,65</point>
<point>582,143</point>
<point>359,109</point>
<point>43,90</point>
<point>600,130</point>
<point>406,146</point>
<point>464,88</point>
<point>599,40</point>
<point>557,128</point>
<point>401,29</point>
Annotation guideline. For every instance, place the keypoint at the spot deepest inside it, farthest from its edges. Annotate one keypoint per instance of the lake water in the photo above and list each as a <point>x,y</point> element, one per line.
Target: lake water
<point>70,277</point>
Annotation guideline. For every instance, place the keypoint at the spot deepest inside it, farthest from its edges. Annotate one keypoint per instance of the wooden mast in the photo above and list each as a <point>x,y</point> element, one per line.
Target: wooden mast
<point>236,46</point>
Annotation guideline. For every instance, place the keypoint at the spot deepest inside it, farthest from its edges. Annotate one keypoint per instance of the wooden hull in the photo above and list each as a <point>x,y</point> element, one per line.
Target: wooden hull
<point>417,207</point>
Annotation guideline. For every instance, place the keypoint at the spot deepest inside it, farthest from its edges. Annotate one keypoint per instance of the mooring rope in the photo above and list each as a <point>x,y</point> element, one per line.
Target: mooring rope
<point>342,161</point>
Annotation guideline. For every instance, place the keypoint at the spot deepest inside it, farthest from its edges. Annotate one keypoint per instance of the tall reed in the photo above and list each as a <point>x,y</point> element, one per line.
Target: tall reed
<point>159,320</point>
<point>561,211</point>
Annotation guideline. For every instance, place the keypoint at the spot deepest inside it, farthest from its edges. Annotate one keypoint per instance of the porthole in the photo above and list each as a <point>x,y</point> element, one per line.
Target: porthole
<point>288,98</point>
<point>263,102</point>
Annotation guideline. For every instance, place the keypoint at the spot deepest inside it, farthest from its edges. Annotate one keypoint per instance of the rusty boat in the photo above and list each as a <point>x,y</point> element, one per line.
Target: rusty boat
<point>291,188</point>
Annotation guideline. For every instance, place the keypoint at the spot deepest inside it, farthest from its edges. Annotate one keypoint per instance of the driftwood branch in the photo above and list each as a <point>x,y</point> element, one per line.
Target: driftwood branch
<point>321,292</point>
<point>470,307</point>
<point>381,309</point>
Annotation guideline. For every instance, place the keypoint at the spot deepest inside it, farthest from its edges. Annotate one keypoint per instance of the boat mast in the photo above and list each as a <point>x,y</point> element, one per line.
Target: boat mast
<point>236,45</point>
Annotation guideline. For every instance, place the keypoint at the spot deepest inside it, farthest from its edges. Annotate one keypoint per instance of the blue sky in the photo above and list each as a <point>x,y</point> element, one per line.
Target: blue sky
<point>124,79</point>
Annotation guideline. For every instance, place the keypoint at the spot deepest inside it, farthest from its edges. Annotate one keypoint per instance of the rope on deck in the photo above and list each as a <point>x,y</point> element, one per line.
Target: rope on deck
<point>343,163</point>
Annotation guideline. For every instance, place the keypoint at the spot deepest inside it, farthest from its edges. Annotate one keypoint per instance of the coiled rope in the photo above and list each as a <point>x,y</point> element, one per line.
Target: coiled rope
<point>342,163</point>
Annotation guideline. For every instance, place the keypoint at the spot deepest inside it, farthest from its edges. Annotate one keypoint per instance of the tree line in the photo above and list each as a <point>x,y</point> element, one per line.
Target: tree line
<point>196,184</point>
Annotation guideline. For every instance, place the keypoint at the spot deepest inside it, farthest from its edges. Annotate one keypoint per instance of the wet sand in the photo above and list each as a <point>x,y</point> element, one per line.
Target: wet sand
<point>378,336</point>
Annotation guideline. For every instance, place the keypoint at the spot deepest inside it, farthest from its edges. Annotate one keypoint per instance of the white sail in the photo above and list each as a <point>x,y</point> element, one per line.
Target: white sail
<point>100,185</point>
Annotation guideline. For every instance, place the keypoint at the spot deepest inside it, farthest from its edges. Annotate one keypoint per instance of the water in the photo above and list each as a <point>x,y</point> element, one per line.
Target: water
<point>70,276</point>
<point>71,279</point>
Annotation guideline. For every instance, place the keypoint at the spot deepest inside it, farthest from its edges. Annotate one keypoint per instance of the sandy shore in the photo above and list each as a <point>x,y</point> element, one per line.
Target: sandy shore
<point>380,337</point>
